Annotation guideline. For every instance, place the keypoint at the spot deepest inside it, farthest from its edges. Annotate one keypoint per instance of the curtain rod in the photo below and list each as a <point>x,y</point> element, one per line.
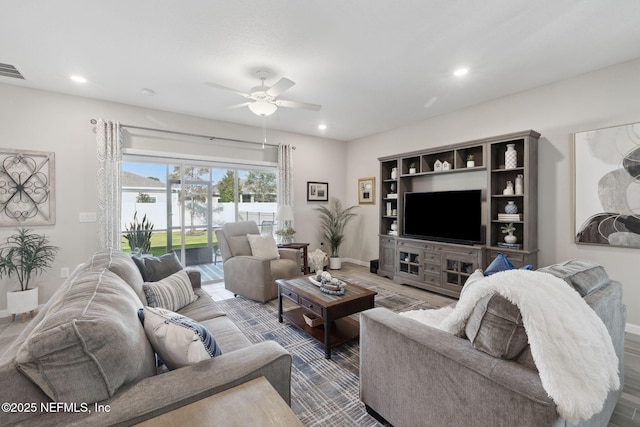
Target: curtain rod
<point>197,135</point>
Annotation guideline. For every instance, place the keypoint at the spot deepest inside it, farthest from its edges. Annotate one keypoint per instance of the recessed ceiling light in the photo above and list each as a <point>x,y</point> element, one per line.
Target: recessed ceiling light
<point>147,92</point>
<point>78,79</point>
<point>322,127</point>
<point>460,72</point>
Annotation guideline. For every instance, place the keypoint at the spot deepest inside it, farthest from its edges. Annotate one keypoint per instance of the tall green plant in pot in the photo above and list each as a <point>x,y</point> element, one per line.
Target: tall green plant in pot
<point>24,255</point>
<point>333,220</point>
<point>138,234</point>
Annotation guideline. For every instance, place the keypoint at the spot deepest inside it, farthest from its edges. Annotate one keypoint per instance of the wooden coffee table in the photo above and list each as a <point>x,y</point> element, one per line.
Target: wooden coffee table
<point>332,309</point>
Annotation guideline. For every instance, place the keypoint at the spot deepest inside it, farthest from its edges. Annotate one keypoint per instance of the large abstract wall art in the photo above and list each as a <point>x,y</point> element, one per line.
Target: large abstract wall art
<point>607,186</point>
<point>27,188</point>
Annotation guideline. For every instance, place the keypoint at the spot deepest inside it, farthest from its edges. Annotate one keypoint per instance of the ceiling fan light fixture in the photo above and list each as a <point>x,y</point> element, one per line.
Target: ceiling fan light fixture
<point>262,108</point>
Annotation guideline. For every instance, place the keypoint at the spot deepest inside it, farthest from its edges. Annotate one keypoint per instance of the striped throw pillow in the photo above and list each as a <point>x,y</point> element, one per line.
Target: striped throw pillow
<point>171,293</point>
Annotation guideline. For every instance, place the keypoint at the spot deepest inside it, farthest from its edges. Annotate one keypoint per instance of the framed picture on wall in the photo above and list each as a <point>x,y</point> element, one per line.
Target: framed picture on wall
<point>366,191</point>
<point>606,187</point>
<point>317,191</point>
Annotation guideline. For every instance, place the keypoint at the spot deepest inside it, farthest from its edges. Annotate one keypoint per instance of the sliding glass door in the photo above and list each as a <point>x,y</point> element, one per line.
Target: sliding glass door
<point>187,202</point>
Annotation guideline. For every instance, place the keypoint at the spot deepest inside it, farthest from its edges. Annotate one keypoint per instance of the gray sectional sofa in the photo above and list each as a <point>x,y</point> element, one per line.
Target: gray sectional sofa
<point>88,345</point>
<point>412,374</point>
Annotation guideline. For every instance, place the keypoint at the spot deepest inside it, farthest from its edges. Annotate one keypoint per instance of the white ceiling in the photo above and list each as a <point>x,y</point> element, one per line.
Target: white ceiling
<point>373,65</point>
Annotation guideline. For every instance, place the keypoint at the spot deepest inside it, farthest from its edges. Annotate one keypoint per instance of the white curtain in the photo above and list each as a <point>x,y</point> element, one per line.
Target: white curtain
<point>109,152</point>
<point>285,184</point>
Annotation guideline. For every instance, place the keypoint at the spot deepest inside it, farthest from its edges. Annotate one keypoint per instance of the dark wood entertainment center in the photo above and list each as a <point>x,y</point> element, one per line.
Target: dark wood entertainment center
<point>441,266</point>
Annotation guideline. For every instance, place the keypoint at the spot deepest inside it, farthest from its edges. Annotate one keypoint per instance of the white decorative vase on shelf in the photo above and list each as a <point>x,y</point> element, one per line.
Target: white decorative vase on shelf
<point>394,173</point>
<point>511,208</point>
<point>511,157</point>
<point>412,170</point>
<point>471,163</point>
<point>508,191</point>
<point>510,238</point>
<point>520,184</point>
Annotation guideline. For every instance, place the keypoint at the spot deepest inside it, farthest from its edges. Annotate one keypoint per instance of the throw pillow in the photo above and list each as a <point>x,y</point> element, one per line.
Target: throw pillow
<point>501,263</point>
<point>476,276</point>
<point>584,276</point>
<point>263,246</point>
<point>178,340</point>
<point>495,327</point>
<point>154,268</point>
<point>172,293</point>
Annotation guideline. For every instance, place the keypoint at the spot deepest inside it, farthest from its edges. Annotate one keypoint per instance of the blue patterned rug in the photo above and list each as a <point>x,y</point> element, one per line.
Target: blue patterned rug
<point>323,392</point>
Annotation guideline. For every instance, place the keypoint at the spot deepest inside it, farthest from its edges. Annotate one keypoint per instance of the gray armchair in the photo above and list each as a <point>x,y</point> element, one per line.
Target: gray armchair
<point>247,275</point>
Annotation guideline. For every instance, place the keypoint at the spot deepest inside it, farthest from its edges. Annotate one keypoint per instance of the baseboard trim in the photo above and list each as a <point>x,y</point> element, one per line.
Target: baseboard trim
<point>632,329</point>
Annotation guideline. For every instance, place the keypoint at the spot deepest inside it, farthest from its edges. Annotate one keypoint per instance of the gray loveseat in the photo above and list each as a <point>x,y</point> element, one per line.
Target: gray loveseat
<point>97,351</point>
<point>415,375</point>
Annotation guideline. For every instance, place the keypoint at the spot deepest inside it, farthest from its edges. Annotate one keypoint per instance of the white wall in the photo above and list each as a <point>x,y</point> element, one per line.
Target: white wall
<point>45,121</point>
<point>608,97</point>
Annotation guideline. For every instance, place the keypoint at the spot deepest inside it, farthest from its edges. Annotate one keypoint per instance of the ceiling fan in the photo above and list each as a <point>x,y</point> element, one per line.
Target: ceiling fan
<point>263,100</point>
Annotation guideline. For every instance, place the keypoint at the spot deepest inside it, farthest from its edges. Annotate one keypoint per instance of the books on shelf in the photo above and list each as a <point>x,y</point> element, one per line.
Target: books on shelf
<point>392,195</point>
<point>393,232</point>
<point>510,245</point>
<point>509,217</point>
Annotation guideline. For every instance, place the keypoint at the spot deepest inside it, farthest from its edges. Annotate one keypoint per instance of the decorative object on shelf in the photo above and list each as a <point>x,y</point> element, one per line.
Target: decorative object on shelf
<point>508,191</point>
<point>437,166</point>
<point>25,254</point>
<point>318,259</point>
<point>470,161</point>
<point>511,157</point>
<point>394,212</point>
<point>606,170</point>
<point>394,226</point>
<point>394,173</point>
<point>29,188</point>
<point>511,207</point>
<point>392,187</point>
<point>412,167</point>
<point>520,184</point>
<point>388,211</point>
<point>366,191</point>
<point>317,191</point>
<point>333,220</point>
<point>446,166</point>
<point>508,231</point>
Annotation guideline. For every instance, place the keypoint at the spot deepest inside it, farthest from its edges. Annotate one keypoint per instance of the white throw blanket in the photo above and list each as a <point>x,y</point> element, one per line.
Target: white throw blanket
<point>569,343</point>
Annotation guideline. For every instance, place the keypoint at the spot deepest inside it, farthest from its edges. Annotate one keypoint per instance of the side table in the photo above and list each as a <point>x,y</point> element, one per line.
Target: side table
<point>299,246</point>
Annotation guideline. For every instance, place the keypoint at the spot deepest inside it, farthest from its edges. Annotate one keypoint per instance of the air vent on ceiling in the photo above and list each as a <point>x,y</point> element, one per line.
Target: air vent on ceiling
<point>7,70</point>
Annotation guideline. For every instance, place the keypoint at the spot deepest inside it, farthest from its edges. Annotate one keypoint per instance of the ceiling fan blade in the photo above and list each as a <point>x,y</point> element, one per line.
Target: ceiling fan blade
<point>293,104</point>
<point>244,104</point>
<point>282,85</point>
<point>217,86</point>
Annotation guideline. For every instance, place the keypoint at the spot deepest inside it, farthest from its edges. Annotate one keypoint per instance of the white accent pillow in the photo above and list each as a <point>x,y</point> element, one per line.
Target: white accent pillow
<point>263,246</point>
<point>178,340</point>
<point>172,293</point>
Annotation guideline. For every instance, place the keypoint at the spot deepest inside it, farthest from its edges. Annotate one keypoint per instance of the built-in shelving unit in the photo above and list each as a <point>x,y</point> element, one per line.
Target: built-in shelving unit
<point>444,267</point>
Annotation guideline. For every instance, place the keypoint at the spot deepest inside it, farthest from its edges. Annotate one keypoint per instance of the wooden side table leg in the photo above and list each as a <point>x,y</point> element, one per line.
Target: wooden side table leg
<point>13,317</point>
<point>24,317</point>
<point>327,337</point>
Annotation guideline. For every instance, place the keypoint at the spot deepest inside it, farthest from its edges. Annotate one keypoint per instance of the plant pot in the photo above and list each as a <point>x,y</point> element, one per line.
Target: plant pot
<point>471,163</point>
<point>412,170</point>
<point>22,302</point>
<point>510,238</point>
<point>335,263</point>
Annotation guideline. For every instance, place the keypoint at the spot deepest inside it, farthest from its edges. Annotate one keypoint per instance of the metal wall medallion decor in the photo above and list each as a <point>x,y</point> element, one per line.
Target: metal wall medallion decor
<point>27,188</point>
<point>607,186</point>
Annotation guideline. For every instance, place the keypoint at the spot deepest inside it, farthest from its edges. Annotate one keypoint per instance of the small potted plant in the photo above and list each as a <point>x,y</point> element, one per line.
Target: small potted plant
<point>285,234</point>
<point>25,254</point>
<point>412,167</point>
<point>471,161</point>
<point>508,231</point>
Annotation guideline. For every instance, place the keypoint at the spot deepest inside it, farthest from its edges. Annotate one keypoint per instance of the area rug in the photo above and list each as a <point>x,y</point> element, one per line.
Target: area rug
<point>323,392</point>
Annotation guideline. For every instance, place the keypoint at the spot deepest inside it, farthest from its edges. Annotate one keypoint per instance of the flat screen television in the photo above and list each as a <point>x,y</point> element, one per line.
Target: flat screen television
<point>444,216</point>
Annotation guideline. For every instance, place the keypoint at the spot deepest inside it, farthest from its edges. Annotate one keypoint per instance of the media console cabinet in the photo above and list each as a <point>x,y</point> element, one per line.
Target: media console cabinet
<point>444,267</point>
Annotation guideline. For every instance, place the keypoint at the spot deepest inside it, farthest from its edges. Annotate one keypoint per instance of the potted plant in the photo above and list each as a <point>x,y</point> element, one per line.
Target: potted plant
<point>471,161</point>
<point>333,220</point>
<point>508,230</point>
<point>285,234</point>
<point>412,167</point>
<point>25,254</point>
<point>139,235</point>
